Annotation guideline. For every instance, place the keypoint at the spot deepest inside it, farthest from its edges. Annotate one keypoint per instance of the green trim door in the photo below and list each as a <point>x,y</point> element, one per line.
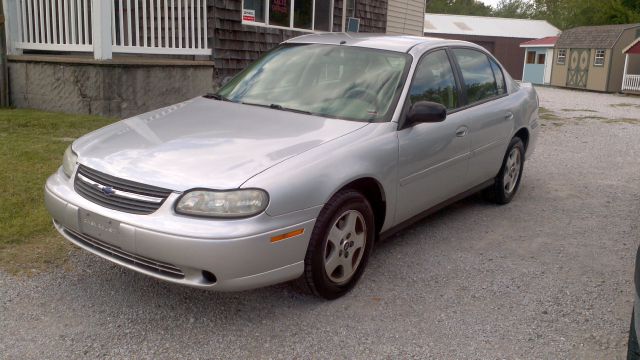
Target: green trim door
<point>578,68</point>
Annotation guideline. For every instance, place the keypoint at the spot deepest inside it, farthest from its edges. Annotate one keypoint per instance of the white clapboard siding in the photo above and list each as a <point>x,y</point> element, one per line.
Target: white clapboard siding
<point>405,17</point>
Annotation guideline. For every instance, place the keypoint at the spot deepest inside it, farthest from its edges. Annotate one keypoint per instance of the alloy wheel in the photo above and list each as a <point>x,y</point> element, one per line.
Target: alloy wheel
<point>345,246</point>
<point>512,170</point>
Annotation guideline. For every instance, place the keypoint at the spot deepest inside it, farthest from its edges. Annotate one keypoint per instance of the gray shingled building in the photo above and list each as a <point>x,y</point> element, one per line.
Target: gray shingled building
<point>592,58</point>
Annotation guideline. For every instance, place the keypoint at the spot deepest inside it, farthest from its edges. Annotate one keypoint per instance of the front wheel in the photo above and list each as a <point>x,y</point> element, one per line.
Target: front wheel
<point>508,179</point>
<point>340,245</point>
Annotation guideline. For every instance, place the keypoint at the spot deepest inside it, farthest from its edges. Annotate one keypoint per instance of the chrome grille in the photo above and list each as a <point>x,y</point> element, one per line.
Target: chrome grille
<point>118,194</point>
<point>114,252</point>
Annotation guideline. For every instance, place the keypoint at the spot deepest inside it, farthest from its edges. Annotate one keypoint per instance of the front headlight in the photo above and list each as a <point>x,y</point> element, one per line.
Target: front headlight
<point>69,161</point>
<point>223,204</point>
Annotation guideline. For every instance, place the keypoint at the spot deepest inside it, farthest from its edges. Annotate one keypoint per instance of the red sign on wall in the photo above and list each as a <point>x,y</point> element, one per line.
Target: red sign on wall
<point>248,15</point>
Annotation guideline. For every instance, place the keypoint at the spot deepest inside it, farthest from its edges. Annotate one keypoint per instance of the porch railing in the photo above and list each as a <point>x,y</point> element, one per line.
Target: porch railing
<point>631,83</point>
<point>176,27</point>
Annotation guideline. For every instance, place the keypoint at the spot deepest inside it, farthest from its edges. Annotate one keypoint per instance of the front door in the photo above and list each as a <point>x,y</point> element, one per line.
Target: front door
<point>434,157</point>
<point>578,68</point>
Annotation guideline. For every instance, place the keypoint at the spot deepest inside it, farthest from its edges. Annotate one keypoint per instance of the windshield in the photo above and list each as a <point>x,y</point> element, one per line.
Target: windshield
<point>326,80</point>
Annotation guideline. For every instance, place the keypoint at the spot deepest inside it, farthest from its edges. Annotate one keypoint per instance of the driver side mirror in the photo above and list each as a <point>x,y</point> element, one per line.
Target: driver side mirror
<point>426,112</point>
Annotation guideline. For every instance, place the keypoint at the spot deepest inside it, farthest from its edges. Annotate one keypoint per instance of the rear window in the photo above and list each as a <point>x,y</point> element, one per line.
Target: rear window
<point>477,75</point>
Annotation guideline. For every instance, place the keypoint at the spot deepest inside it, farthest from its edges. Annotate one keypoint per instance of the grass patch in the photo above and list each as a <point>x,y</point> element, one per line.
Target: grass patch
<point>626,105</point>
<point>31,147</point>
<point>579,110</point>
<point>549,116</point>
<point>546,114</point>
<point>631,121</point>
<point>590,117</point>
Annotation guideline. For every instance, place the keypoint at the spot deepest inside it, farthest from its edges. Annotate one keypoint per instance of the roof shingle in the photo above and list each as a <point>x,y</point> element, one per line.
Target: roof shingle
<point>592,37</point>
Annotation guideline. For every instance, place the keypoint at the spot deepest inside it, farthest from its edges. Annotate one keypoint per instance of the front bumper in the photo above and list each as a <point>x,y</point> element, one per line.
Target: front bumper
<point>186,250</point>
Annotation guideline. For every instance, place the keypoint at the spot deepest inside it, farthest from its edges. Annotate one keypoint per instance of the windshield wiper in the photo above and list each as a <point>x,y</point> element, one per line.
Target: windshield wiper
<point>216,97</point>
<point>279,107</point>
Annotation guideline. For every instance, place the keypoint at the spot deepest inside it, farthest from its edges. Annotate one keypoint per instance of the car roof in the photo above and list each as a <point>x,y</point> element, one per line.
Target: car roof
<point>400,43</point>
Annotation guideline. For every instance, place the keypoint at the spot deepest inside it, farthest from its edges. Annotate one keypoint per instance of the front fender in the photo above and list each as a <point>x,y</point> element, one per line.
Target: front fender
<point>311,178</point>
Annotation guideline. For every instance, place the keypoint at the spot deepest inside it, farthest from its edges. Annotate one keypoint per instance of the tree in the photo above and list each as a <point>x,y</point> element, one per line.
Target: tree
<point>458,7</point>
<point>633,5</point>
<point>564,14</point>
<point>596,12</point>
<point>556,12</point>
<point>521,9</point>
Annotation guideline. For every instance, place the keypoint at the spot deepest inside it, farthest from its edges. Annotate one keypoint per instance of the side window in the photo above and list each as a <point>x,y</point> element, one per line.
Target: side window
<point>434,81</point>
<point>562,55</point>
<point>531,57</point>
<point>599,60</point>
<point>477,75</point>
<point>541,59</point>
<point>499,75</point>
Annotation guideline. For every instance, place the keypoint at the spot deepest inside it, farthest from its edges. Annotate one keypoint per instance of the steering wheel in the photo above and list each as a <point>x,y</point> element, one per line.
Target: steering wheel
<point>364,95</point>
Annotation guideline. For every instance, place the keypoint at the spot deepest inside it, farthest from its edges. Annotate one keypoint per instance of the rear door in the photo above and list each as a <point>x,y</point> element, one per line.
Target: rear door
<point>490,119</point>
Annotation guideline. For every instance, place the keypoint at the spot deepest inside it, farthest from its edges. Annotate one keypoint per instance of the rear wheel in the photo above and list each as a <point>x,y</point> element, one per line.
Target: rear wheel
<point>508,179</point>
<point>340,245</point>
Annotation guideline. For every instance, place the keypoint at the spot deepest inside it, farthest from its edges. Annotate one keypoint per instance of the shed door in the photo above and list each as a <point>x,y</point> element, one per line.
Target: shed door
<point>578,68</point>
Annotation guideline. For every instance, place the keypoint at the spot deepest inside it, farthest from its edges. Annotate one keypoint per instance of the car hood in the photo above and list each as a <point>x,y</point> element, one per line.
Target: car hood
<point>204,143</point>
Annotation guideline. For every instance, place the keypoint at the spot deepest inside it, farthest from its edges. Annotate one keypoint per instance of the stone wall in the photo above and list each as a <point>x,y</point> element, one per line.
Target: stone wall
<point>119,88</point>
<point>131,85</point>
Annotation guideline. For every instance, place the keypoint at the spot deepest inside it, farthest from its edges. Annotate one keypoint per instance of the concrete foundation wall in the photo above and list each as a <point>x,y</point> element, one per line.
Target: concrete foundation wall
<point>119,88</point>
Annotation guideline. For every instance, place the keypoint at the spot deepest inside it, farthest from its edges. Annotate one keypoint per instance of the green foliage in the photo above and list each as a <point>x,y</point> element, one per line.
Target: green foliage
<point>564,14</point>
<point>604,12</point>
<point>31,147</point>
<point>515,9</point>
<point>458,7</point>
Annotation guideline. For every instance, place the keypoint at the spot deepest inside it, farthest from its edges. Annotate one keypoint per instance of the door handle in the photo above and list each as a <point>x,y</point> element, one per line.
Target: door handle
<point>461,131</point>
<point>509,115</point>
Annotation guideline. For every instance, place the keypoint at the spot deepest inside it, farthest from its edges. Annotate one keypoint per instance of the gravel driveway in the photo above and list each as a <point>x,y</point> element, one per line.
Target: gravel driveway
<point>548,276</point>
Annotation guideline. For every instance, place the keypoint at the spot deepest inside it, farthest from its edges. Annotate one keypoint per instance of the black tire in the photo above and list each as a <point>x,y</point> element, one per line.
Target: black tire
<point>315,279</point>
<point>633,350</point>
<point>497,192</point>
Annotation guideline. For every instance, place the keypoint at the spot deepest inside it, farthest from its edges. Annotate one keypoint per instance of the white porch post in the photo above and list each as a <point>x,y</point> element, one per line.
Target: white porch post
<point>344,15</point>
<point>12,28</point>
<point>624,74</point>
<point>101,21</point>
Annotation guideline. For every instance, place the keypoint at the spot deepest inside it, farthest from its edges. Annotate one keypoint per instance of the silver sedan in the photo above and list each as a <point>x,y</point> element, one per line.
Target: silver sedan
<point>299,164</point>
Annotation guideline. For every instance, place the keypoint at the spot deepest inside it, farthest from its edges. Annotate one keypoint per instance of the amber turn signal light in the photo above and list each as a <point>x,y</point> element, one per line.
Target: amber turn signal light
<point>287,235</point>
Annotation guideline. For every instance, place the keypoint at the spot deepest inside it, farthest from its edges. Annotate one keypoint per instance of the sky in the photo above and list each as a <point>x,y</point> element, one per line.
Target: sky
<point>491,2</point>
